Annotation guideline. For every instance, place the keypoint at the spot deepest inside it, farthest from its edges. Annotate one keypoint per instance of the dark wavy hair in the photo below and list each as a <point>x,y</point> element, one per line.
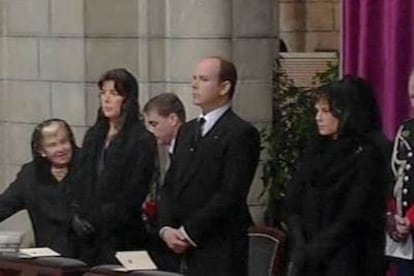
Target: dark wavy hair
<point>127,86</point>
<point>352,100</point>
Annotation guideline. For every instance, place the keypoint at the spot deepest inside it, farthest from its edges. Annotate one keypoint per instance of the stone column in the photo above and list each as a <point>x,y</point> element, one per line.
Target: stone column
<point>254,47</point>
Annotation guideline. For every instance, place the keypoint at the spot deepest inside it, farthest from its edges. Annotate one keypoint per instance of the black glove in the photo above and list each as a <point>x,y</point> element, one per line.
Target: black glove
<point>81,227</point>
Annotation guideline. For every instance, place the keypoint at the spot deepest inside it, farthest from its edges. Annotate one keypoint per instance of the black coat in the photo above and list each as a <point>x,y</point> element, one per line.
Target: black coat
<point>47,202</point>
<point>111,199</point>
<point>336,209</point>
<point>205,191</point>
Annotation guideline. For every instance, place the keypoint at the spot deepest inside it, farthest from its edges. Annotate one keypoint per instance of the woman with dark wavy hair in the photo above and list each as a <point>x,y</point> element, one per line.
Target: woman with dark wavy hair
<point>336,203</point>
<point>116,166</point>
<point>42,186</point>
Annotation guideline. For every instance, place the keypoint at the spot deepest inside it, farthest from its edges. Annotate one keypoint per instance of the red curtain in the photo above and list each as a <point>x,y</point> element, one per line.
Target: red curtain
<point>378,41</point>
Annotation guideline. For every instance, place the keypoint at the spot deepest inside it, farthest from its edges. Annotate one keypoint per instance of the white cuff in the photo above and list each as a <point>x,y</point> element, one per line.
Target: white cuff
<point>162,231</point>
<point>187,237</point>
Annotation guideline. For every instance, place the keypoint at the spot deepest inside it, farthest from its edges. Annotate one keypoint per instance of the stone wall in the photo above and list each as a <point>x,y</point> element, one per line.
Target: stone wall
<point>310,25</point>
<point>53,51</point>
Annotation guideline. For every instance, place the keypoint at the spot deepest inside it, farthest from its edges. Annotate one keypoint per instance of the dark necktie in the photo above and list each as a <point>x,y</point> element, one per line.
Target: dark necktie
<point>199,129</point>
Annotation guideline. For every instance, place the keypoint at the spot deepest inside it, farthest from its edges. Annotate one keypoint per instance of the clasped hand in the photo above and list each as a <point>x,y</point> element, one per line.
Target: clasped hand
<point>400,228</point>
<point>175,240</point>
<point>81,226</point>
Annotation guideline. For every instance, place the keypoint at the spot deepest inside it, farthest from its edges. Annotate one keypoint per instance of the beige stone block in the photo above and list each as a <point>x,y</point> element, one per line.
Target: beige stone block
<point>3,179</point>
<point>184,92</point>
<point>201,18</point>
<point>3,149</point>
<point>275,16</point>
<point>111,18</point>
<point>106,54</point>
<point>143,94</point>
<point>69,103</point>
<point>92,104</point>
<point>18,143</point>
<point>144,59</point>
<point>338,16</point>
<point>67,17</point>
<point>292,16</point>
<point>27,17</point>
<point>253,101</point>
<point>257,213</point>
<point>157,60</point>
<point>320,16</point>
<point>155,15</point>
<point>253,58</point>
<point>295,41</point>
<point>79,133</point>
<point>21,58</point>
<point>253,17</point>
<point>11,173</point>
<point>184,55</point>
<point>149,90</point>
<point>322,41</point>
<point>2,7</point>
<point>3,103</point>
<point>3,56</point>
<point>156,89</point>
<point>62,59</point>
<point>28,101</point>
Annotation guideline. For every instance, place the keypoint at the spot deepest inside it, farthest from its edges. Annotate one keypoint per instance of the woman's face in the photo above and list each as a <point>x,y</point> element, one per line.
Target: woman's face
<point>55,145</point>
<point>111,101</point>
<point>328,124</point>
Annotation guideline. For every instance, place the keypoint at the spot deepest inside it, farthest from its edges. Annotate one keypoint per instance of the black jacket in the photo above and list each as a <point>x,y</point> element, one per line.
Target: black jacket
<point>205,191</point>
<point>111,199</point>
<point>47,202</point>
<point>336,209</point>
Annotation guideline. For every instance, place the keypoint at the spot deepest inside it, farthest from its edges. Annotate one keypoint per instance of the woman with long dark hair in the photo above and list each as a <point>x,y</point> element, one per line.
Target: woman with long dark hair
<point>42,186</point>
<point>116,166</point>
<point>336,203</point>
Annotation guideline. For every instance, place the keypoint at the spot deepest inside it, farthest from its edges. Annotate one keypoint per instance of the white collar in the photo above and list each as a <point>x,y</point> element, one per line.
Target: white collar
<point>171,146</point>
<point>212,117</point>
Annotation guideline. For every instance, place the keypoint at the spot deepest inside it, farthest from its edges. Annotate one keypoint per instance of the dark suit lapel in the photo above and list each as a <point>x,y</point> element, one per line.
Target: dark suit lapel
<point>211,139</point>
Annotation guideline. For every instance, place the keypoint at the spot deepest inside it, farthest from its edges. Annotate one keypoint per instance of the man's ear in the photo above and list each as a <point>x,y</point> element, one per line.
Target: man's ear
<point>173,118</point>
<point>225,88</point>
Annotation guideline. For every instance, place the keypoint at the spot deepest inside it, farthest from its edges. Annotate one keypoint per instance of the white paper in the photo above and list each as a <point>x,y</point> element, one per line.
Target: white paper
<point>122,269</point>
<point>135,260</point>
<point>39,252</point>
<point>402,250</point>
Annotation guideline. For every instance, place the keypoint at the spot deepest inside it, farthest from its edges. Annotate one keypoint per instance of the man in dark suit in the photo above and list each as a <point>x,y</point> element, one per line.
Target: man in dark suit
<point>203,212</point>
<point>164,115</point>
